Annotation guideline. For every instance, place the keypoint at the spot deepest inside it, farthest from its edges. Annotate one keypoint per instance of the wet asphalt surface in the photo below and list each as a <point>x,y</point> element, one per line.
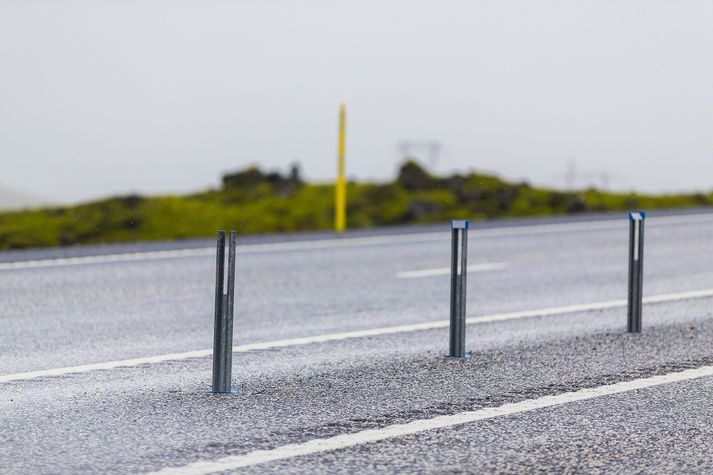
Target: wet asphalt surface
<point>144,418</point>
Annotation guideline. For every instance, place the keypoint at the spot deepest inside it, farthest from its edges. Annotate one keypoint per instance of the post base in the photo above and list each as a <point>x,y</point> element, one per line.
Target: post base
<point>231,391</point>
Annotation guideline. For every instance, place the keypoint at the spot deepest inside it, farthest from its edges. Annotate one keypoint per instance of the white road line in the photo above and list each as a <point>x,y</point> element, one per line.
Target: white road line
<point>343,441</point>
<point>110,258</point>
<point>322,244</point>
<point>500,317</point>
<point>414,274</point>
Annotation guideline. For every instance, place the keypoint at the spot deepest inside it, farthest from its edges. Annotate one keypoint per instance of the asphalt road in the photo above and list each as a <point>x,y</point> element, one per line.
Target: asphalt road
<point>105,366</point>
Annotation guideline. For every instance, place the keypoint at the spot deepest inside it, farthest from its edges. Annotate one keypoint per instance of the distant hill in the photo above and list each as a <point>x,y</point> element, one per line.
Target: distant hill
<point>11,199</point>
<point>252,201</point>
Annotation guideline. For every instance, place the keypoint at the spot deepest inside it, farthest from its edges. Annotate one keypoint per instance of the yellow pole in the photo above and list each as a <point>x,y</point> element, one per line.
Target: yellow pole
<point>340,215</point>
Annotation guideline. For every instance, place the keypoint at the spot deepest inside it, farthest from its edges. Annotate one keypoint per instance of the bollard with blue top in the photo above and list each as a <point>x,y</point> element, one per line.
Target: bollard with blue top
<point>223,327</point>
<point>636,270</point>
<point>459,271</point>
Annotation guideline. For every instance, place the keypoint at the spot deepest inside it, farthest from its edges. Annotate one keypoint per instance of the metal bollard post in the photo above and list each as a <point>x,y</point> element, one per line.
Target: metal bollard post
<point>636,270</point>
<point>459,271</point>
<point>223,327</point>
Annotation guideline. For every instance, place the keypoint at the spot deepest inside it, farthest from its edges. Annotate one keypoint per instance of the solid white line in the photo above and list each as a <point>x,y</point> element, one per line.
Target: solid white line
<point>110,258</point>
<point>414,274</point>
<point>308,340</point>
<point>343,441</point>
<point>323,244</point>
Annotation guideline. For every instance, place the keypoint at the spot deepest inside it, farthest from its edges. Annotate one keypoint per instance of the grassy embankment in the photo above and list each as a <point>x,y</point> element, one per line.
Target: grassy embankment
<point>253,202</point>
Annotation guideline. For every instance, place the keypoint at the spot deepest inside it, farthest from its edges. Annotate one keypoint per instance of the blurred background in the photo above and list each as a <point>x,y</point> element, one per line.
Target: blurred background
<point>105,98</point>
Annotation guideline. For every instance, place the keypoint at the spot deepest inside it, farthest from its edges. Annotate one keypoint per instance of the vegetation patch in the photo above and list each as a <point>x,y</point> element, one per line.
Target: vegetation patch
<point>252,201</point>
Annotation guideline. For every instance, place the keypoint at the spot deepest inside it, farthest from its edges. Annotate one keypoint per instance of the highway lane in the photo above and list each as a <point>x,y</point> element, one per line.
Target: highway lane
<point>152,416</point>
<point>149,417</point>
<point>102,312</point>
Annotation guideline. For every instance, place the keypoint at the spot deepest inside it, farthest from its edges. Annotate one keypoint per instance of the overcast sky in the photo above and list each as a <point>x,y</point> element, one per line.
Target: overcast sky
<point>103,97</point>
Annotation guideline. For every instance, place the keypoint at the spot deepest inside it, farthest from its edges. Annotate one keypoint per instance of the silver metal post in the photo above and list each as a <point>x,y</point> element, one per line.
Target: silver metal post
<point>223,326</point>
<point>459,271</point>
<point>218,364</point>
<point>636,270</point>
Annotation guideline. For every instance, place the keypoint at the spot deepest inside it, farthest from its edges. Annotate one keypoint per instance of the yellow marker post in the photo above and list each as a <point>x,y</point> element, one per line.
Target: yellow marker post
<point>340,209</point>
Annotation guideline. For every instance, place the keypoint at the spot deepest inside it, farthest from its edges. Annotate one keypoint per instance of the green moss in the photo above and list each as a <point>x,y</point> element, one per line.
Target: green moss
<point>251,202</point>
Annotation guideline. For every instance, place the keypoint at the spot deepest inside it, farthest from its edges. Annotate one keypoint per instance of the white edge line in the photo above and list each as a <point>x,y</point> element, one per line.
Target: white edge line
<point>353,334</point>
<point>344,441</point>
<point>320,244</point>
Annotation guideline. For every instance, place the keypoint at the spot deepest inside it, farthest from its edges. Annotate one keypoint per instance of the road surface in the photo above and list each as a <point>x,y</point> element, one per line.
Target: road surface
<point>339,359</point>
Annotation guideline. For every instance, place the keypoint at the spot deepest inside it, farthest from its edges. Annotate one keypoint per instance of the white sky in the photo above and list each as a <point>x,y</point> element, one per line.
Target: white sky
<point>102,97</point>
